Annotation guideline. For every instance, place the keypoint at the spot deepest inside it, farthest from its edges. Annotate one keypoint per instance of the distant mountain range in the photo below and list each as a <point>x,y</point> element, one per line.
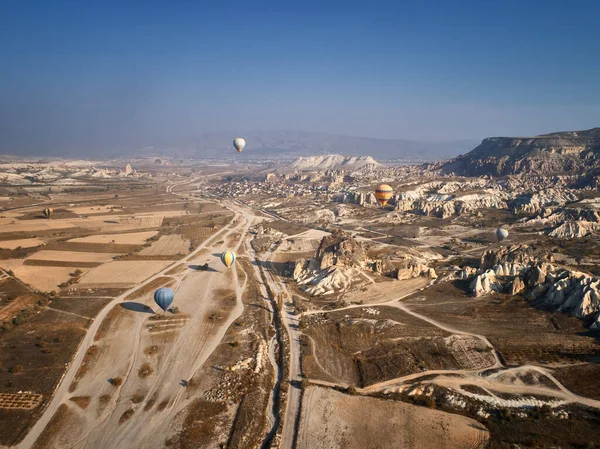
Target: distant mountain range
<point>570,152</point>
<point>291,144</point>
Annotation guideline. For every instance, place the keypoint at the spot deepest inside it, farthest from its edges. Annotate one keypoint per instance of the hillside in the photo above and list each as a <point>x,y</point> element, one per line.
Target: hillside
<point>333,162</point>
<point>560,152</point>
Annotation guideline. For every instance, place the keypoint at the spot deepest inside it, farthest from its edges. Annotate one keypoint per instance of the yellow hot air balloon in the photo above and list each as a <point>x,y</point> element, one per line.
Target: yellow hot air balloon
<point>383,193</point>
<point>228,257</point>
<point>47,212</point>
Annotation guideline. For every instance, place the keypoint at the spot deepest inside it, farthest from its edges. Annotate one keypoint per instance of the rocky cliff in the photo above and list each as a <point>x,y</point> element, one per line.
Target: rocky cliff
<point>562,152</point>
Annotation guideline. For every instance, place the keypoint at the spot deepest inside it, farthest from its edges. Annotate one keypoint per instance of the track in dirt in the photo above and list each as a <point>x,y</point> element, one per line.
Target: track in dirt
<point>109,431</point>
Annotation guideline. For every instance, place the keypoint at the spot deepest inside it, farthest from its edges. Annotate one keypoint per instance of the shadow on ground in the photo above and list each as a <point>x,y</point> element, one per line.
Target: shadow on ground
<point>202,268</point>
<point>136,307</point>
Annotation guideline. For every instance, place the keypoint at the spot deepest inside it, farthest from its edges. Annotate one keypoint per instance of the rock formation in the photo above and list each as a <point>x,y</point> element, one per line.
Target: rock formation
<point>562,152</point>
<point>574,229</point>
<point>333,161</point>
<point>340,263</point>
<point>335,267</point>
<point>520,269</point>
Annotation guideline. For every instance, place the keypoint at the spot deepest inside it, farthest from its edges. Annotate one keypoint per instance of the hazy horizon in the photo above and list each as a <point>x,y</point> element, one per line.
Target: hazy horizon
<point>82,77</point>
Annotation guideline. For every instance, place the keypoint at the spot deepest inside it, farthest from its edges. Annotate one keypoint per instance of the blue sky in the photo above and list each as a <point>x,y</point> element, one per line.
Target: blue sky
<point>93,74</point>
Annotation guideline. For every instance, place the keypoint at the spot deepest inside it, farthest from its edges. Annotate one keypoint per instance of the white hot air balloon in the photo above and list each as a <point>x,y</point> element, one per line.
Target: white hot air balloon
<point>501,234</point>
<point>239,144</point>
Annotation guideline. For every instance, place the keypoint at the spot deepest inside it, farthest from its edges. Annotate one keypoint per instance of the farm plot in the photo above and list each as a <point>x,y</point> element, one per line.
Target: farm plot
<point>122,273</point>
<point>72,256</point>
<point>24,401</point>
<point>131,238</point>
<point>167,245</point>
<point>35,225</point>
<point>14,297</point>
<point>331,419</point>
<point>43,279</point>
<point>23,243</point>
<point>87,210</point>
<point>34,356</point>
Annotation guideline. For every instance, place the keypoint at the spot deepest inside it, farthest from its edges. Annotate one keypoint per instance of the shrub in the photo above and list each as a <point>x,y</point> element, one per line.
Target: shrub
<point>16,369</point>
<point>116,381</point>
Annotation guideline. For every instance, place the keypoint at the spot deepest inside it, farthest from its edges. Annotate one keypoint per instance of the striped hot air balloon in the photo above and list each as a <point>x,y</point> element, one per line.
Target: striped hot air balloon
<point>47,212</point>
<point>228,257</point>
<point>383,193</point>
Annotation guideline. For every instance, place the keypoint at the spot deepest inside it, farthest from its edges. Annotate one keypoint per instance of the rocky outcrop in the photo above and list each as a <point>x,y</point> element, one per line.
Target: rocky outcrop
<point>517,286</point>
<point>445,199</point>
<point>341,261</point>
<point>340,249</point>
<point>59,173</point>
<point>512,257</point>
<point>563,152</point>
<point>535,202</point>
<point>486,283</point>
<point>577,229</point>
<point>335,267</point>
<point>559,215</point>
<point>333,161</point>
<point>575,293</point>
<point>360,198</point>
<point>412,270</point>
<point>519,269</point>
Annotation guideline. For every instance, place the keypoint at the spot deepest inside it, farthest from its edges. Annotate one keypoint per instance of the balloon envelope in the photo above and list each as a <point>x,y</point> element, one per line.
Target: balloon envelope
<point>501,234</point>
<point>47,212</point>
<point>239,144</point>
<point>164,297</point>
<point>228,257</point>
<point>383,193</point>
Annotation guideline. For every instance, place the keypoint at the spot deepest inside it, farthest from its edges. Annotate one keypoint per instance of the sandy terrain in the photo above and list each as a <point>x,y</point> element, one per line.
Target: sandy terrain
<point>123,273</point>
<point>45,279</point>
<point>131,238</point>
<point>35,225</point>
<point>142,411</point>
<point>119,223</point>
<point>84,210</point>
<point>331,419</point>
<point>167,245</point>
<point>72,256</point>
<point>112,222</point>
<point>23,243</point>
<point>299,243</point>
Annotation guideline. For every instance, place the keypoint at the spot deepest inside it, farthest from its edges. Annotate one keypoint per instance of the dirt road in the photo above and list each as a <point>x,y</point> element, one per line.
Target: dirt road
<point>122,354</point>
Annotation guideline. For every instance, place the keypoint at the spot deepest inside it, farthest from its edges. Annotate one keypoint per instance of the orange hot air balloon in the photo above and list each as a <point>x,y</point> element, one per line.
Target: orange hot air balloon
<point>383,193</point>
